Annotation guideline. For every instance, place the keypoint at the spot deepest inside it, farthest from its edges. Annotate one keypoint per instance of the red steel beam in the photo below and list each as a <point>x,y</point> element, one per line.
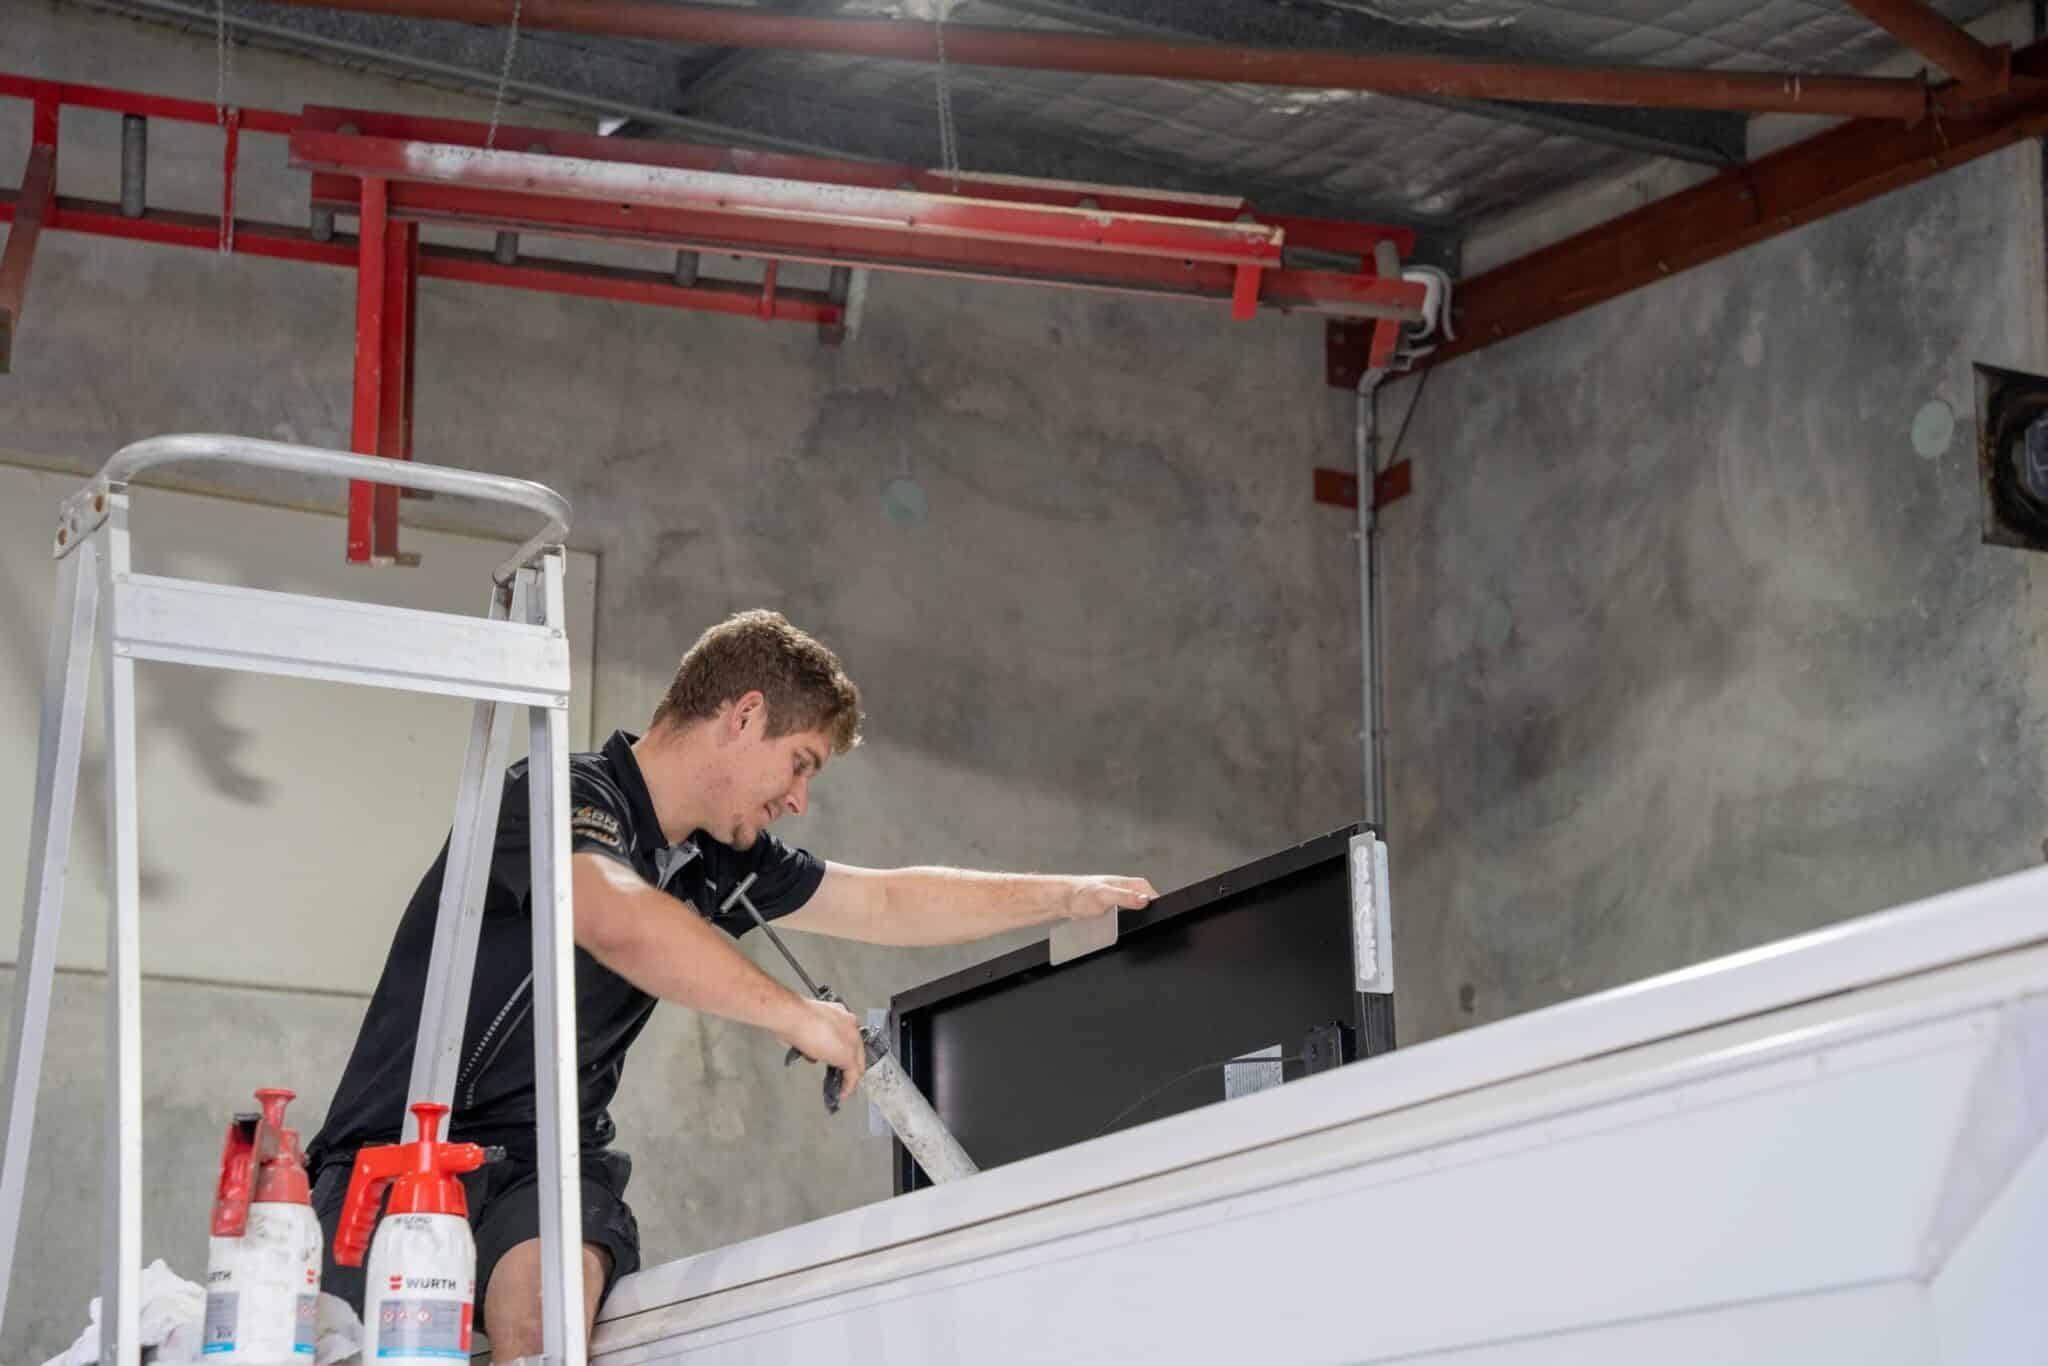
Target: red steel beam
<point>620,184</point>
<point>1825,174</point>
<point>1094,54</point>
<point>881,248</point>
<point>730,297</point>
<point>135,102</point>
<point>280,241</point>
<point>1941,41</point>
<point>1317,233</point>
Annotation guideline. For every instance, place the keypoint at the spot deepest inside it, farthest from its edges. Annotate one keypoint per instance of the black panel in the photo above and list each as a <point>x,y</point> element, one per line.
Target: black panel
<point>1020,1057</point>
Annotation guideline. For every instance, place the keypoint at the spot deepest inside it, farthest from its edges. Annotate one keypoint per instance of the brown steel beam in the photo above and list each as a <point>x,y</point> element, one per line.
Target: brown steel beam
<point>1825,174</point>
<point>1941,41</point>
<point>1095,54</point>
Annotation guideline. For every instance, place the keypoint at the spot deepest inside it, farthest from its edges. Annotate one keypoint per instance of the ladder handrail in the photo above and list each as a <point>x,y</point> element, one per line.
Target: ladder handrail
<point>138,456</point>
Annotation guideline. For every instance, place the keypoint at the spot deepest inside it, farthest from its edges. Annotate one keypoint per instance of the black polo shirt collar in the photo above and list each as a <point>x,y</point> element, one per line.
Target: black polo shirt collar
<point>618,752</point>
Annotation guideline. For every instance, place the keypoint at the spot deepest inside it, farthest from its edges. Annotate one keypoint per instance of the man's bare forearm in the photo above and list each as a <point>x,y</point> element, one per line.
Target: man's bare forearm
<point>664,948</point>
<point>932,906</point>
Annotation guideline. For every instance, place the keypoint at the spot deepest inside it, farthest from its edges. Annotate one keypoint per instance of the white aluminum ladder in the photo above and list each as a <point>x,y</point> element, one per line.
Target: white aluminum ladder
<point>516,655</point>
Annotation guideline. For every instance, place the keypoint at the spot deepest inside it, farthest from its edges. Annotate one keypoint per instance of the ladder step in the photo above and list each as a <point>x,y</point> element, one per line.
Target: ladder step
<point>254,630</point>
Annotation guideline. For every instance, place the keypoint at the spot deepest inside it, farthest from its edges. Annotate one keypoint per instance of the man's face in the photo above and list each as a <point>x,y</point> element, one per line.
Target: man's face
<point>772,778</point>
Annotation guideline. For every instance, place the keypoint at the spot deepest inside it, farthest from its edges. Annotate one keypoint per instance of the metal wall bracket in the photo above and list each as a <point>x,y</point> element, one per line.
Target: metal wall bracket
<point>79,516</point>
<point>1372,917</point>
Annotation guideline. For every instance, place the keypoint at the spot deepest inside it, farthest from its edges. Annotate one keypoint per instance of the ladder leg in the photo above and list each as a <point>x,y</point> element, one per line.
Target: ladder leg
<point>66,678</point>
<point>121,1192</point>
<point>437,1058</point>
<point>554,1012</point>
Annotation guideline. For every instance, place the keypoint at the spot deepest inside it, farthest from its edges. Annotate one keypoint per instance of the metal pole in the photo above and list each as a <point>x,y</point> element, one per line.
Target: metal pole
<point>739,894</point>
<point>1095,54</point>
<point>134,165</point>
<point>554,1004</point>
<point>121,1190</point>
<point>451,964</point>
<point>66,679</point>
<point>1372,770</point>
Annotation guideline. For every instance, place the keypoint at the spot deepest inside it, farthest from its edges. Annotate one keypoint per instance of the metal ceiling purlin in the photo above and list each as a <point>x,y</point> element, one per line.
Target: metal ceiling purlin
<point>708,73</point>
<point>1977,67</point>
<point>1703,137</point>
<point>432,51</point>
<point>1832,171</point>
<point>967,45</point>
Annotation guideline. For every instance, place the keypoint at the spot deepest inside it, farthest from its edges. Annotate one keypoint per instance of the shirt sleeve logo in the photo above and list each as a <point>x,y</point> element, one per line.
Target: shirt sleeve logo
<point>596,824</point>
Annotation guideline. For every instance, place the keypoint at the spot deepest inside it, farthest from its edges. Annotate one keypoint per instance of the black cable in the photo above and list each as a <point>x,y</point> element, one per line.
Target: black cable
<point>1406,417</point>
<point>1192,1071</point>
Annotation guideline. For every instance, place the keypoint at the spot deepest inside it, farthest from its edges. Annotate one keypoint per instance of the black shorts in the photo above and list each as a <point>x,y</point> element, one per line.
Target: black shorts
<point>504,1211</point>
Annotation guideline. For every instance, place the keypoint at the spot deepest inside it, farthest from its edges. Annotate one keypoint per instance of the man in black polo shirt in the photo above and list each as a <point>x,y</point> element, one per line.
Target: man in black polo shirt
<point>661,827</point>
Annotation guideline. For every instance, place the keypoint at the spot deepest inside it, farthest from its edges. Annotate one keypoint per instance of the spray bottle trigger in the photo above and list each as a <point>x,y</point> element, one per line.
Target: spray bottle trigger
<point>237,1177</point>
<point>359,1212</point>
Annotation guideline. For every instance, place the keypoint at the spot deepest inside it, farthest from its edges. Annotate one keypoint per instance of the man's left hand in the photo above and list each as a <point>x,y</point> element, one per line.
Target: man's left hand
<point>1091,896</point>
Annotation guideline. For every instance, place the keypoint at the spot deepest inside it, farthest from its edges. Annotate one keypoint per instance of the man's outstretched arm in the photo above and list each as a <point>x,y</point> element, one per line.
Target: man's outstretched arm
<point>920,907</point>
<point>668,951</point>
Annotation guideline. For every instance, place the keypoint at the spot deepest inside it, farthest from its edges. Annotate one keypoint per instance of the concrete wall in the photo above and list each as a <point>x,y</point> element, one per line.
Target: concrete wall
<point>1689,648</point>
<point>1120,638</point>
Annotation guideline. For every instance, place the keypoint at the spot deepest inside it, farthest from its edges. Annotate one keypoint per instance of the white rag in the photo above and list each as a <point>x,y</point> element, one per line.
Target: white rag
<point>174,1322</point>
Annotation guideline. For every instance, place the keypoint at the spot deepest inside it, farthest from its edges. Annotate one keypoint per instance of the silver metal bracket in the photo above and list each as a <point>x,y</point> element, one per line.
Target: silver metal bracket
<point>1372,916</point>
<point>1071,939</point>
<point>80,515</point>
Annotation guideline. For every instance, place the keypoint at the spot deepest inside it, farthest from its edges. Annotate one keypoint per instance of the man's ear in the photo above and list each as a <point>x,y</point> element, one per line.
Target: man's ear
<point>747,714</point>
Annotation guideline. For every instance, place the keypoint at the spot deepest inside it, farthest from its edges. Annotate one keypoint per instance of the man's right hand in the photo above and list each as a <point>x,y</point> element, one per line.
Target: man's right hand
<point>825,1031</point>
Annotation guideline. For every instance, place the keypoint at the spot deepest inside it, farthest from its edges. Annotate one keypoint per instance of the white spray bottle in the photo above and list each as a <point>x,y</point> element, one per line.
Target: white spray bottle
<point>263,1262</point>
<point>419,1293</point>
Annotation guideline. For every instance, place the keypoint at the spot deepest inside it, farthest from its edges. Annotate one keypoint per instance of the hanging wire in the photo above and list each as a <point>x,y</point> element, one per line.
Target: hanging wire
<point>949,145</point>
<point>220,80</point>
<point>504,76</point>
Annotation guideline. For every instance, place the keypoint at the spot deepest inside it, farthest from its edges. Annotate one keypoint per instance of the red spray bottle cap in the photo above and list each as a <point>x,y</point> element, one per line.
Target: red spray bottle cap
<point>259,1160</point>
<point>425,1172</point>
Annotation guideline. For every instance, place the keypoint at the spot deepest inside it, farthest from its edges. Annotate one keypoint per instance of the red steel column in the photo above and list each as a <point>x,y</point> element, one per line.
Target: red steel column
<point>32,211</point>
<point>365,436</point>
